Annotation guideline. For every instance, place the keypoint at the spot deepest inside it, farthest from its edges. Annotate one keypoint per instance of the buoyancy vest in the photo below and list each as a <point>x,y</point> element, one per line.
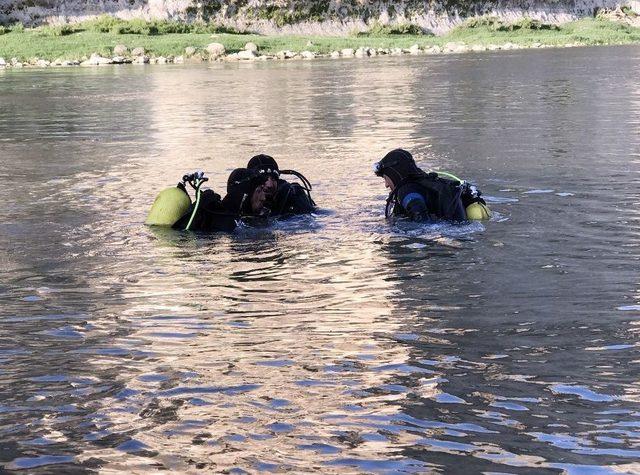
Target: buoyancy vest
<point>443,196</point>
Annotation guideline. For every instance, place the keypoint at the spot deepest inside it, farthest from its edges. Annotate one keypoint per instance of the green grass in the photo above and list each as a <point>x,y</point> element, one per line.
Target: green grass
<point>171,38</point>
<point>587,31</point>
<point>378,29</point>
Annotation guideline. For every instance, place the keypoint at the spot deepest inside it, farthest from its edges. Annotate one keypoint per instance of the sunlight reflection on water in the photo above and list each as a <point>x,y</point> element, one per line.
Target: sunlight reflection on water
<point>337,342</point>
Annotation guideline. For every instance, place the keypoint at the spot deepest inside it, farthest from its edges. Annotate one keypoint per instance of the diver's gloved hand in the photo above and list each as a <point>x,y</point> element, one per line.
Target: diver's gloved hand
<point>416,207</point>
<point>420,217</point>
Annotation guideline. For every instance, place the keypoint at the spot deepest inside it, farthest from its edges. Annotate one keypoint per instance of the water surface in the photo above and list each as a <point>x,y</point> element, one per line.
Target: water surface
<point>333,343</point>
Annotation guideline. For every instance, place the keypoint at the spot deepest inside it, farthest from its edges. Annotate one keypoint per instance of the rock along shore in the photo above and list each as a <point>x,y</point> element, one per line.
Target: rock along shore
<point>215,52</point>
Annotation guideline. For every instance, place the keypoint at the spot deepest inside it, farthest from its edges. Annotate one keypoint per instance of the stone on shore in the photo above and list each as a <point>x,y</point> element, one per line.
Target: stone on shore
<point>139,51</point>
<point>308,55</point>
<point>189,51</point>
<point>120,60</point>
<point>478,48</point>
<point>215,50</point>
<point>161,60</point>
<point>144,59</point>
<point>247,54</point>
<point>251,47</point>
<point>3,63</point>
<point>396,51</point>
<point>415,49</point>
<point>362,52</point>
<point>96,60</point>
<point>335,54</point>
<point>120,50</point>
<point>286,54</point>
<point>347,52</point>
<point>178,59</point>
<point>455,48</point>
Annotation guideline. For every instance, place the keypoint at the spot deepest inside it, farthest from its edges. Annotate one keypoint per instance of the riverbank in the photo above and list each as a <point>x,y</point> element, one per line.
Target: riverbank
<point>110,41</point>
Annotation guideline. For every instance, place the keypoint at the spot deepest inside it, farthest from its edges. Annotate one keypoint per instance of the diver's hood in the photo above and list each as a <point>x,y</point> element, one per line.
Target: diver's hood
<point>265,164</point>
<point>397,165</point>
<point>240,186</point>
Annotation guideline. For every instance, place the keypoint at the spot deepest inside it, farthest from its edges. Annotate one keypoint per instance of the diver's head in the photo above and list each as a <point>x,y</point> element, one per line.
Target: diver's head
<point>266,164</point>
<point>396,166</point>
<point>247,186</point>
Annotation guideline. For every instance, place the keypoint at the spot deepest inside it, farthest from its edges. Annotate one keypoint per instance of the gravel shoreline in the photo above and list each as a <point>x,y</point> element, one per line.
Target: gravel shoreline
<point>215,52</point>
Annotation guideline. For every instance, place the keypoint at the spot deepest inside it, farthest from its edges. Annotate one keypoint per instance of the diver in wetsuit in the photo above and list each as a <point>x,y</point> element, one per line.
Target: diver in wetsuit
<point>246,196</point>
<point>210,213</point>
<point>283,198</point>
<point>423,196</point>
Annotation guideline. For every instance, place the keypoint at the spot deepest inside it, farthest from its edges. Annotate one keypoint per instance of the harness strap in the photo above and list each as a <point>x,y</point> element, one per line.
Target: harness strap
<point>450,175</point>
<point>244,198</point>
<point>195,207</point>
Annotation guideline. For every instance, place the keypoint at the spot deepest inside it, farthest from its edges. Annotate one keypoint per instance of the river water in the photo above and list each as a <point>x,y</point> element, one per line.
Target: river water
<point>333,343</point>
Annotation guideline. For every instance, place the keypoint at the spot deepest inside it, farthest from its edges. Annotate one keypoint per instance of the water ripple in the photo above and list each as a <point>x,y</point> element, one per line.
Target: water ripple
<point>337,342</point>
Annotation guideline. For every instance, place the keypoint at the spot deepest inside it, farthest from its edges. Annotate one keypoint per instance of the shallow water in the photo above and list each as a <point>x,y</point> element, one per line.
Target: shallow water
<point>333,343</point>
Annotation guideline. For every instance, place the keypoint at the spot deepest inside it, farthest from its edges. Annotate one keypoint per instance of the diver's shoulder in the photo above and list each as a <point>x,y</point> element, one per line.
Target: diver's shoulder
<point>410,186</point>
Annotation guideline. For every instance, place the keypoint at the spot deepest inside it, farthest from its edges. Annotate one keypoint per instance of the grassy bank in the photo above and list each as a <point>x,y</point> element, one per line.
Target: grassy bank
<point>170,39</point>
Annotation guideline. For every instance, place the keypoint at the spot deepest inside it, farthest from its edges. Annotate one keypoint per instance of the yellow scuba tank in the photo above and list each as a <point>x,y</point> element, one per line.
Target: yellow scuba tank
<point>169,206</point>
<point>478,212</point>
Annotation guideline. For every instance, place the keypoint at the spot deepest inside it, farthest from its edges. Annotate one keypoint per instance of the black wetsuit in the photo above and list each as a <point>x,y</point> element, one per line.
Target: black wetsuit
<point>290,199</point>
<point>211,215</point>
<point>428,197</point>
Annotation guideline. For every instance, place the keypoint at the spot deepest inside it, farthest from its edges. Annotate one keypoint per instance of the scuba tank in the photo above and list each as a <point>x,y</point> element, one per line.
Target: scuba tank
<point>478,212</point>
<point>206,213</point>
<point>475,206</point>
<point>173,203</point>
<point>169,206</point>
